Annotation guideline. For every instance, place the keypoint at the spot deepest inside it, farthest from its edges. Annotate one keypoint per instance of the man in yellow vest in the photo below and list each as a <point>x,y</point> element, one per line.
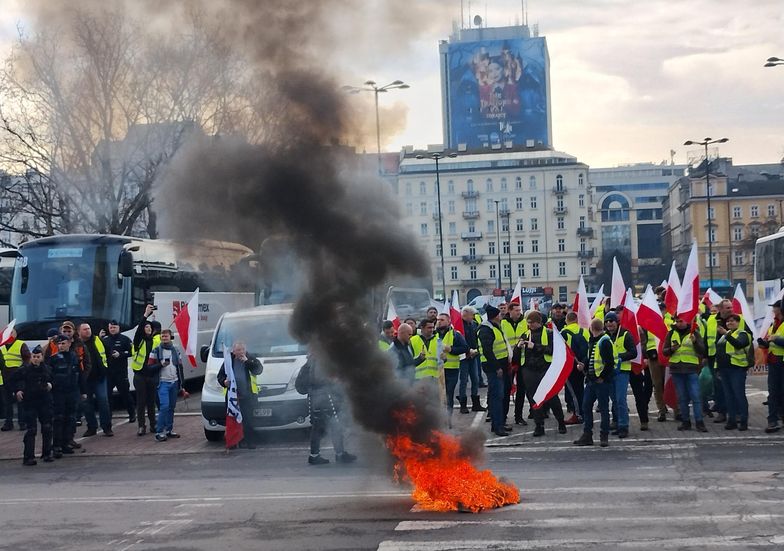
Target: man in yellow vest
<point>734,355</point>
<point>537,354</point>
<point>626,351</point>
<point>246,369</point>
<point>144,341</point>
<point>494,354</point>
<point>684,349</point>
<point>599,373</point>
<point>773,341</point>
<point>452,345</point>
<point>577,341</point>
<point>387,335</point>
<point>425,351</point>
<point>514,328</point>
<point>15,353</point>
<point>97,392</point>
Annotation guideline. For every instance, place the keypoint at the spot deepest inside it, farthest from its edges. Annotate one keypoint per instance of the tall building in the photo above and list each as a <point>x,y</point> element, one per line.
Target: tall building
<point>539,234</point>
<point>627,214</point>
<point>495,85</point>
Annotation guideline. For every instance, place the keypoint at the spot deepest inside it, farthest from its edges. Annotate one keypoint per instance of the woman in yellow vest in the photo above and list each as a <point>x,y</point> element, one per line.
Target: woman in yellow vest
<point>773,343</point>
<point>144,341</point>
<point>684,350</point>
<point>733,359</point>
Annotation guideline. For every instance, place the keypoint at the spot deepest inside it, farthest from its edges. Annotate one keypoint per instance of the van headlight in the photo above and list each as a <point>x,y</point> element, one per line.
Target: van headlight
<point>293,379</point>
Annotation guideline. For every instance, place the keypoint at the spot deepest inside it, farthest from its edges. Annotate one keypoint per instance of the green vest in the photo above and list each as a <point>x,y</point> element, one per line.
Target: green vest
<point>254,385</point>
<point>571,331</point>
<point>452,361</point>
<point>775,349</point>
<point>384,345</point>
<point>101,349</point>
<point>668,320</point>
<point>709,331</point>
<point>511,333</point>
<point>598,362</point>
<point>478,319</point>
<point>599,314</point>
<point>139,357</point>
<point>685,353</point>
<point>739,357</point>
<point>500,349</point>
<point>544,341</point>
<point>618,345</point>
<point>13,354</point>
<point>429,367</point>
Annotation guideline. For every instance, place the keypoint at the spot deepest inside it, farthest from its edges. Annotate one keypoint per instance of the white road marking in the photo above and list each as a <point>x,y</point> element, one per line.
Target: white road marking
<point>478,418</point>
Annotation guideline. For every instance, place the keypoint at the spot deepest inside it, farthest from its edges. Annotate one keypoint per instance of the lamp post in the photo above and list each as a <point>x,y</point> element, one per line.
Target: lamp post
<point>498,241</point>
<point>773,62</point>
<point>509,240</point>
<point>437,157</point>
<point>705,143</point>
<point>370,86</point>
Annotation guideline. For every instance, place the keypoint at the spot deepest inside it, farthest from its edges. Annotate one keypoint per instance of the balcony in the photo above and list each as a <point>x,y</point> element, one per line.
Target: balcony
<point>503,213</point>
<point>436,216</point>
<point>473,258</point>
<point>588,253</point>
<point>585,232</point>
<point>470,194</point>
<point>471,235</point>
<point>475,282</point>
<point>559,190</point>
<point>471,214</point>
<point>559,210</point>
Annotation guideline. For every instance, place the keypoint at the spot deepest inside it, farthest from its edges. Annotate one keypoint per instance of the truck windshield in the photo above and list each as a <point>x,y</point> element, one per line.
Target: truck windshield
<point>264,337</point>
<point>76,281</point>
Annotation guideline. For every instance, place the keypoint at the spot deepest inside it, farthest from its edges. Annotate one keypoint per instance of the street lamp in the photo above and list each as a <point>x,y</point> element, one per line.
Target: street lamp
<point>773,62</point>
<point>705,143</point>
<point>370,86</point>
<point>437,157</point>
<point>498,241</point>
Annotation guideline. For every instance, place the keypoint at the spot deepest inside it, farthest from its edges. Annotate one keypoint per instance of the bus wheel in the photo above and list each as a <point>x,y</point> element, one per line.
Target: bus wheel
<point>213,435</point>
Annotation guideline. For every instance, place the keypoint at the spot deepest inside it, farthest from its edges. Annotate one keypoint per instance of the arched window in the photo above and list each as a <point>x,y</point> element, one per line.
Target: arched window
<point>615,208</point>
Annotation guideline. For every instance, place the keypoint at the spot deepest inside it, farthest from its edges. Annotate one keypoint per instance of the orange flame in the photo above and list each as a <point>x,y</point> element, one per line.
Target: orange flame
<point>443,478</point>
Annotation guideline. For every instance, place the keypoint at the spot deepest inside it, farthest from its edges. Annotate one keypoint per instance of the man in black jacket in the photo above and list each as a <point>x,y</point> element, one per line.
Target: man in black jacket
<point>118,350</point>
<point>246,368</point>
<point>96,383</point>
<point>469,367</point>
<point>32,385</point>
<point>495,361</point>
<point>599,372</point>
<point>68,385</point>
<point>537,352</point>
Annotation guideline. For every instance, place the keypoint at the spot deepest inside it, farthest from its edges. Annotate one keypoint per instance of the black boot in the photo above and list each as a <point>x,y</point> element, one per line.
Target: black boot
<point>585,440</point>
<point>464,405</point>
<point>604,439</point>
<point>561,426</point>
<point>539,430</point>
<point>476,405</point>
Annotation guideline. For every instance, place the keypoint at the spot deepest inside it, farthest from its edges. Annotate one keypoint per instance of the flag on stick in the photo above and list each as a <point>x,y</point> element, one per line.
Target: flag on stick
<point>556,375</point>
<point>673,289</point>
<point>689,296</point>
<point>741,306</point>
<point>455,316</point>
<point>187,322</point>
<point>392,316</point>
<point>618,288</point>
<point>517,294</point>
<point>597,301</point>
<point>581,306</point>
<point>6,336</point>
<point>234,432</point>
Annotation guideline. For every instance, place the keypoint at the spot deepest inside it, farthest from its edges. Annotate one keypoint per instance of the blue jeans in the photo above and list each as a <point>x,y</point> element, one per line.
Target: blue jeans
<point>96,394</point>
<point>167,396</point>
<point>597,391</point>
<point>620,405</point>
<point>734,381</point>
<point>775,390</point>
<point>719,400</point>
<point>495,398</point>
<point>687,385</point>
<point>469,369</point>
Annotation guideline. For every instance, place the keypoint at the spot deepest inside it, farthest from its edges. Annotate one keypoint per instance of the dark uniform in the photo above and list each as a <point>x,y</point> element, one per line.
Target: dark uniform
<point>67,384</point>
<point>117,372</point>
<point>33,381</point>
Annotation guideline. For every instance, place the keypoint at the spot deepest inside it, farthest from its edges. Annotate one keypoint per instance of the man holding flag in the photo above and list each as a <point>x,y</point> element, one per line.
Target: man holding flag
<point>238,378</point>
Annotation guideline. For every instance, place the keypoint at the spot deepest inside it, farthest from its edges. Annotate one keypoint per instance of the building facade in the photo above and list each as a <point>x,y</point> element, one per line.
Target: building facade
<point>525,210</point>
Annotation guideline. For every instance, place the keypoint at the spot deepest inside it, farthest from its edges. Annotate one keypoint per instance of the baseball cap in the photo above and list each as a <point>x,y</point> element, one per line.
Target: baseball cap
<point>611,316</point>
<point>53,332</point>
<point>776,304</point>
<point>68,323</point>
<point>62,338</point>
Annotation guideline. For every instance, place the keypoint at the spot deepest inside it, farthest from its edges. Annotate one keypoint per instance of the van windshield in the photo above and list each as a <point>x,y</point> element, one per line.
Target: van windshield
<point>264,337</point>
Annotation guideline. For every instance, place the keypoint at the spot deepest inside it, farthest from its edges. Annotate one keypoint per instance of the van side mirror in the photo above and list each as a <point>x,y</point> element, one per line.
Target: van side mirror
<point>204,353</point>
<point>125,264</point>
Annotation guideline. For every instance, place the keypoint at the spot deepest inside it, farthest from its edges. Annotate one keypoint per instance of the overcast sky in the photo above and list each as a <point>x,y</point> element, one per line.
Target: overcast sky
<point>630,79</point>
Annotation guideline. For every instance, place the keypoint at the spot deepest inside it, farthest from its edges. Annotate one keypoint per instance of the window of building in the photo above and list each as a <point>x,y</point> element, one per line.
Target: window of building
<point>581,200</point>
<point>489,184</point>
<point>754,231</point>
<point>408,188</point>
<point>472,249</point>
<point>535,269</point>
<point>519,203</point>
<point>422,188</point>
<point>712,260</point>
<point>409,209</point>
<point>470,185</point>
<point>582,222</point>
<point>492,271</point>
<point>520,247</point>
<point>532,183</point>
<point>737,212</point>
<point>518,183</point>
<point>580,181</point>
<point>472,226</point>
<point>491,247</point>
<point>451,207</point>
<point>559,185</point>
<point>490,205</point>
<point>583,245</point>
<point>453,228</point>
<point>450,187</point>
<point>504,187</point>
<point>534,224</point>
<point>491,226</point>
<point>712,235</point>
<point>562,245</point>
<point>737,234</point>
<point>562,294</point>
<point>521,270</point>
<point>506,249</point>
<point>423,229</point>
<point>507,270</point>
<point>438,250</point>
<point>423,208</point>
<point>503,204</point>
<point>454,273</point>
<point>472,272</point>
<point>771,210</point>
<point>583,267</point>
<point>505,224</point>
<point>560,223</point>
<point>738,258</point>
<point>561,270</point>
<point>453,249</point>
<point>437,229</point>
<point>439,274</point>
<point>559,203</point>
<point>711,214</point>
<point>534,245</point>
<point>519,224</point>
<point>754,211</point>
<point>533,201</point>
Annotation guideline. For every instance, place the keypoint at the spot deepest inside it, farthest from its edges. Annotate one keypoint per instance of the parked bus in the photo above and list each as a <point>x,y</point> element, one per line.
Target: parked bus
<point>768,271</point>
<point>7,263</point>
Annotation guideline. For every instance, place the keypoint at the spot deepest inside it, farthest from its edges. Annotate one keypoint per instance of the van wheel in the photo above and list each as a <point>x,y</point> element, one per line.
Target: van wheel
<point>213,435</point>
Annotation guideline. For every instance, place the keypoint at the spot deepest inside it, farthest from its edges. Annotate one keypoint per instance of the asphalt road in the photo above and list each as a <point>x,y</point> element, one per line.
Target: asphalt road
<point>702,494</point>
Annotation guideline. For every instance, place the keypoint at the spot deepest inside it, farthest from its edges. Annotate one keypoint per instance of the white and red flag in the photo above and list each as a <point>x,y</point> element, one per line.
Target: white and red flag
<point>392,316</point>
<point>455,316</point>
<point>517,294</point>
<point>629,322</point>
<point>673,290</point>
<point>689,296</point>
<point>234,432</point>
<point>581,306</point>
<point>6,336</point>
<point>741,306</point>
<point>557,374</point>
<point>597,300</point>
<point>186,322</point>
<point>649,315</point>
<point>618,288</point>
<point>711,298</point>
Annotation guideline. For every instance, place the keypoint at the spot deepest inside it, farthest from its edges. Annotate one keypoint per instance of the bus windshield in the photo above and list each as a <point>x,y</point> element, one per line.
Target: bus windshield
<point>264,336</point>
<point>76,281</point>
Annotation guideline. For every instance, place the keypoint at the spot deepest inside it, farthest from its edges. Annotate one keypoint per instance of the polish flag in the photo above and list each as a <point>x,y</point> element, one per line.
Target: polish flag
<point>581,306</point>
<point>629,322</point>
<point>618,287</point>
<point>234,432</point>
<point>517,294</point>
<point>597,301</point>
<point>741,306</point>
<point>689,296</point>
<point>6,336</point>
<point>392,316</point>
<point>649,316</point>
<point>556,375</point>
<point>670,394</point>
<point>711,298</point>
<point>767,321</point>
<point>455,315</point>
<point>673,289</point>
<point>186,322</point>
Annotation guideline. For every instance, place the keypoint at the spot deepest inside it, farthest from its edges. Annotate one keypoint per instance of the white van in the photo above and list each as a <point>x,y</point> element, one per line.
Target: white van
<point>265,331</point>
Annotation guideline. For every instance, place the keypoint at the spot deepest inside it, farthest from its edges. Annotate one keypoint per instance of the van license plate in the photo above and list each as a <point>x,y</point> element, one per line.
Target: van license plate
<point>262,412</point>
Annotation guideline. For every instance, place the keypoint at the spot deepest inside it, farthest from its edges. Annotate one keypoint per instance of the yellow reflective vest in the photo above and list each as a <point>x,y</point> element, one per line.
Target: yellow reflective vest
<point>598,362</point>
<point>709,331</point>
<point>739,357</point>
<point>12,354</point>
<point>513,333</point>
<point>452,361</point>
<point>774,348</point>
<point>140,355</point>
<point>500,347</point>
<point>544,341</point>
<point>685,353</point>
<point>573,329</point>
<point>619,344</point>
<point>429,367</point>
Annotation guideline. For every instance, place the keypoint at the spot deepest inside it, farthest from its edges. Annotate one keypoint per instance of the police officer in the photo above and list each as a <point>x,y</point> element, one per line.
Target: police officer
<point>68,384</point>
<point>118,350</point>
<point>32,386</point>
<point>15,354</point>
<point>494,353</point>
